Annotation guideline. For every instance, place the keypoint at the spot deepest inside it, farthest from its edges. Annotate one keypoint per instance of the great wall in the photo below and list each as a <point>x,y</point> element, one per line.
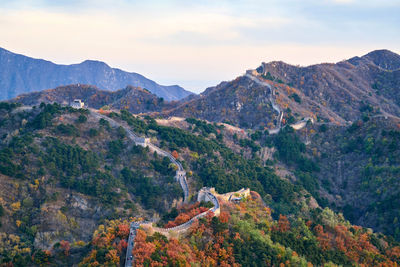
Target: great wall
<point>253,75</point>
<point>205,194</point>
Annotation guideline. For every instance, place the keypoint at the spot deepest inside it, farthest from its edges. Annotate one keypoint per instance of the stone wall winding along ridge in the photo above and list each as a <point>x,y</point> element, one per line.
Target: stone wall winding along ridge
<point>180,176</point>
<point>297,125</point>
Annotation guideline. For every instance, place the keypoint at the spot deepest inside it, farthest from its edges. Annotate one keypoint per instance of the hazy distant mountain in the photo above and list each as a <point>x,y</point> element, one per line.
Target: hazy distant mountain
<point>335,93</point>
<point>20,74</point>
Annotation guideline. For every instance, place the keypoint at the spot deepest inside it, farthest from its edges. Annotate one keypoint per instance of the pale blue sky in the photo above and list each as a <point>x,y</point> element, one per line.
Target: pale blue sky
<point>198,43</point>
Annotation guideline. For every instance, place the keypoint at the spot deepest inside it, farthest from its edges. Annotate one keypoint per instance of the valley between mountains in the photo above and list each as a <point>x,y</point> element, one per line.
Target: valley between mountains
<point>282,166</point>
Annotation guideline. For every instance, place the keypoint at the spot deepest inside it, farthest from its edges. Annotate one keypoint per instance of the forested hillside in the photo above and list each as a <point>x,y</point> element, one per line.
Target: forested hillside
<point>66,173</point>
<point>359,170</point>
<point>245,234</point>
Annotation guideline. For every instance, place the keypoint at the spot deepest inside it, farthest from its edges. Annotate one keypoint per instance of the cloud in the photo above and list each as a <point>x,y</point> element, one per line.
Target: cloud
<point>197,42</point>
<point>194,28</point>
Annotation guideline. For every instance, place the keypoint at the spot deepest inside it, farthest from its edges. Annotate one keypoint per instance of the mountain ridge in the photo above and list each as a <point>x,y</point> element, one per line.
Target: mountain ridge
<point>22,74</point>
<point>135,99</point>
<point>330,92</point>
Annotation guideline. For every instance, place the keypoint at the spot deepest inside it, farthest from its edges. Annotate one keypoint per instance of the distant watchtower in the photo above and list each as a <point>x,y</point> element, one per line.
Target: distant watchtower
<point>77,104</point>
<point>142,141</point>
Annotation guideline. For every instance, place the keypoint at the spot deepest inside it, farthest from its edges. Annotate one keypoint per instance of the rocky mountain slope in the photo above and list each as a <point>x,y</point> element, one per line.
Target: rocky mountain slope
<point>347,86</point>
<point>134,99</point>
<point>337,93</point>
<point>20,74</point>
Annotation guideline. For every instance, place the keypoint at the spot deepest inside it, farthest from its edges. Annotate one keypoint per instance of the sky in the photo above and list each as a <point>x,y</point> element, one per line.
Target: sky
<point>198,44</point>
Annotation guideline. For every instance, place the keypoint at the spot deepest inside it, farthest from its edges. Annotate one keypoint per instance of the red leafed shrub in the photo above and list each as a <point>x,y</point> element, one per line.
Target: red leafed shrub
<point>175,154</point>
<point>122,245</point>
<point>283,224</point>
<point>142,250</point>
<point>187,212</point>
<point>123,231</point>
<point>65,246</point>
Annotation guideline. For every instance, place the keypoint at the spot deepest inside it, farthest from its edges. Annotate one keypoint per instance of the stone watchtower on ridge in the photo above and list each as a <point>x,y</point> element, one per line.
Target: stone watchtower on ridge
<point>77,103</point>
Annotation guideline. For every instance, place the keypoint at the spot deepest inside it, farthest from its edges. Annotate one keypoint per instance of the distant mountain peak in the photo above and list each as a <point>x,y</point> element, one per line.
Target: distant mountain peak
<point>4,50</point>
<point>384,58</point>
<point>380,53</point>
<point>94,62</point>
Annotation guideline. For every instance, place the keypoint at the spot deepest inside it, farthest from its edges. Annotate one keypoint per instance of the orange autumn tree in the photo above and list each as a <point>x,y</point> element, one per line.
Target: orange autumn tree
<point>65,247</point>
<point>186,212</point>
<point>123,231</point>
<point>181,218</point>
<point>283,224</point>
<point>121,246</point>
<point>342,236</point>
<point>112,257</point>
<point>394,253</point>
<point>175,154</point>
<point>180,254</point>
<point>322,237</point>
<point>142,250</point>
<point>224,217</point>
<point>110,240</point>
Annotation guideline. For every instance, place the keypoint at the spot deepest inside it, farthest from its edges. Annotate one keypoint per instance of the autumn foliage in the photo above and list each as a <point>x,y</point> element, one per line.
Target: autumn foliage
<point>142,250</point>
<point>186,213</point>
<point>175,154</point>
<point>65,247</point>
<point>207,248</point>
<point>109,243</point>
<point>283,223</point>
<point>123,231</point>
<point>245,234</point>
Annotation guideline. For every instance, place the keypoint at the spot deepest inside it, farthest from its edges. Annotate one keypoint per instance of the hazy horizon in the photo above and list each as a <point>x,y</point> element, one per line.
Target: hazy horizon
<point>198,44</point>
